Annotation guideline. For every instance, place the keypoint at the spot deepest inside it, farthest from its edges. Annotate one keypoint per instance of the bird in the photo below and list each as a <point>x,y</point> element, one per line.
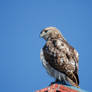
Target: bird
<point>59,58</point>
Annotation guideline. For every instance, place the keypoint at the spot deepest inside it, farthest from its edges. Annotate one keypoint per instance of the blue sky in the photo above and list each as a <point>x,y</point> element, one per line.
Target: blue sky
<point>20,24</point>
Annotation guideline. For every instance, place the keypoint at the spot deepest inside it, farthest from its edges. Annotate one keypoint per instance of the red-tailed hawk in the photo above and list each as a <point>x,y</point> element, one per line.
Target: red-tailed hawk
<point>59,58</point>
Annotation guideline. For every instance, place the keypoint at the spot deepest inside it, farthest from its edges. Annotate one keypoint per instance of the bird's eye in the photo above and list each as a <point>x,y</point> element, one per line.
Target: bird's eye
<point>46,31</point>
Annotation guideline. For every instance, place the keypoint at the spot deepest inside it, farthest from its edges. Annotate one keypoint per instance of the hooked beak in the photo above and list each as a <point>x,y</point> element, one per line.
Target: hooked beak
<point>41,35</point>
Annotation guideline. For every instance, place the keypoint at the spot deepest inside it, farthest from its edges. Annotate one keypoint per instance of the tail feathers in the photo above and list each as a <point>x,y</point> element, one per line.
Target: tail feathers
<point>77,78</point>
<point>72,83</point>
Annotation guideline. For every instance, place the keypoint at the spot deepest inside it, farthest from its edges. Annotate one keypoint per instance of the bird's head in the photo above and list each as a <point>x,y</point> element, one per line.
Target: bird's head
<point>50,33</point>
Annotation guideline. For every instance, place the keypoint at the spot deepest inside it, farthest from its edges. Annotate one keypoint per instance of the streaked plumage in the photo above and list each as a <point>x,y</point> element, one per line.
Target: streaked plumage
<point>58,57</point>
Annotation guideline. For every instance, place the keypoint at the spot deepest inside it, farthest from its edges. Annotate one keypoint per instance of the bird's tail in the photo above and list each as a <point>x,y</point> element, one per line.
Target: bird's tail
<point>72,83</point>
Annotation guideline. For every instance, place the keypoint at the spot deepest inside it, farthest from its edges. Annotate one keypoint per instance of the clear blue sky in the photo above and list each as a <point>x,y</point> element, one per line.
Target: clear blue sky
<point>20,24</point>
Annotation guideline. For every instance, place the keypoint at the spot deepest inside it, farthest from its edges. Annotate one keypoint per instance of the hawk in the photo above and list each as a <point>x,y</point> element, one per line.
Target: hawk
<point>59,58</point>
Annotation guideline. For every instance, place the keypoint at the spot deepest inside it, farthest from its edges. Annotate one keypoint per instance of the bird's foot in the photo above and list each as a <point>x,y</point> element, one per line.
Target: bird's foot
<point>52,83</point>
<point>56,82</point>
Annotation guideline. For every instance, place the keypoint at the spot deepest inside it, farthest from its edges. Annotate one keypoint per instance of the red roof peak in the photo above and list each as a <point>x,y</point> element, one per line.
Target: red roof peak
<point>57,88</point>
